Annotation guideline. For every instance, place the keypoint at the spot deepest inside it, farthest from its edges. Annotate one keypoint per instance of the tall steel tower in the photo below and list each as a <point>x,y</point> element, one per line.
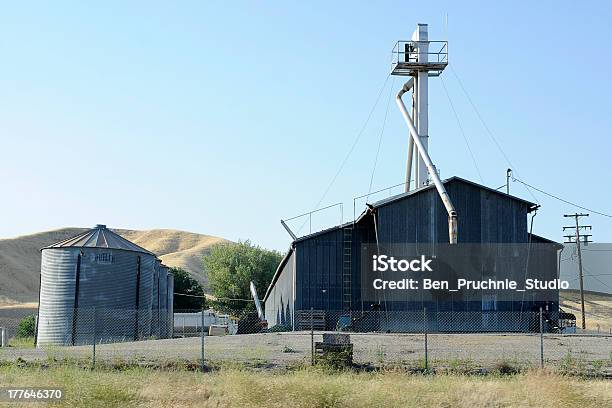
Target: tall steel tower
<point>419,59</point>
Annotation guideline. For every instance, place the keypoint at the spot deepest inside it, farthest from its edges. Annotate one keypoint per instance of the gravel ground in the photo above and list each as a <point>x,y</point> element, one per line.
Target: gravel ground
<point>281,349</point>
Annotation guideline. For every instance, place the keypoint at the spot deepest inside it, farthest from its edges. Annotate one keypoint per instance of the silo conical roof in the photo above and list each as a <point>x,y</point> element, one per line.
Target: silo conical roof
<point>99,237</point>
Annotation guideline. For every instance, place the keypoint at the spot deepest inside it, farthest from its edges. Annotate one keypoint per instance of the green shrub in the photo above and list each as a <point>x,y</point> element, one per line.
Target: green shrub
<point>27,327</point>
<point>505,367</point>
<point>280,328</point>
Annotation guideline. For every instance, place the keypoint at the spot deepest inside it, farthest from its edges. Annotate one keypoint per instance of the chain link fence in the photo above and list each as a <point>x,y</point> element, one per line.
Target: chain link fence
<point>469,342</point>
<point>11,318</point>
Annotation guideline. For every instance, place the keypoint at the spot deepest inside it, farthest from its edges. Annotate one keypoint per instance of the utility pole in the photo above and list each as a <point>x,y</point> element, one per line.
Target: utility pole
<point>575,238</point>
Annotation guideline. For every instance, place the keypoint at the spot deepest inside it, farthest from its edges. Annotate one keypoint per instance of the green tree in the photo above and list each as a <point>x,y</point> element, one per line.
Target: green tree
<point>188,293</point>
<point>27,327</point>
<point>231,267</point>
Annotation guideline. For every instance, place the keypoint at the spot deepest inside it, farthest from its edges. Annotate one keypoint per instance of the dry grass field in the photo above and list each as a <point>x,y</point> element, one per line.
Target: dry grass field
<point>598,308</point>
<point>20,256</point>
<point>138,387</point>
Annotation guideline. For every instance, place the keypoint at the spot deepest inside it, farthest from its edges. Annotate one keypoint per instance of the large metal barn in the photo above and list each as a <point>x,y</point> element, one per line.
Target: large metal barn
<point>322,271</point>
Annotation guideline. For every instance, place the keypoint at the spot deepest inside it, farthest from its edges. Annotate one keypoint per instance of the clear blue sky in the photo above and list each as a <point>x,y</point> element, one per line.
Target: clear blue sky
<point>223,117</point>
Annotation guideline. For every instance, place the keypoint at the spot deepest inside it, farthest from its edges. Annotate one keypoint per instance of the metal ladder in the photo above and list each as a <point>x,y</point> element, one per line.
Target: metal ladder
<point>347,257</point>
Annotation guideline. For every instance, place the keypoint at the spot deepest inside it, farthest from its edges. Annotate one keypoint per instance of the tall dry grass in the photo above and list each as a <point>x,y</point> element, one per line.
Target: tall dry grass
<point>307,388</point>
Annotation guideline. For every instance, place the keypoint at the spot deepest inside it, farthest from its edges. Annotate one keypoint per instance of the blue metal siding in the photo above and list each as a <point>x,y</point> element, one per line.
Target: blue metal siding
<point>413,219</point>
<point>484,216</point>
<point>319,271</point>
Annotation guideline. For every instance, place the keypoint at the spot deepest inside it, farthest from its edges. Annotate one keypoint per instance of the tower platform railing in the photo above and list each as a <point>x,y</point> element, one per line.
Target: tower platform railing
<point>409,57</point>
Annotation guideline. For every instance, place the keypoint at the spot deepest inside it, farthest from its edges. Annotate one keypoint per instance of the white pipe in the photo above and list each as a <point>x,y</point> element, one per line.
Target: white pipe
<point>407,87</point>
<point>284,224</point>
<point>452,213</point>
<point>260,311</point>
<point>409,163</point>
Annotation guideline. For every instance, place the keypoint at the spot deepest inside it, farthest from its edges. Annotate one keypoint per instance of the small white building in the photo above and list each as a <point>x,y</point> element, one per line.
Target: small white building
<point>190,324</point>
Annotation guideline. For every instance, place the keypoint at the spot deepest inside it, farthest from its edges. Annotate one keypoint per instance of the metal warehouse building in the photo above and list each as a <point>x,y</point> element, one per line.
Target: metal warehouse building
<point>327,271</point>
<point>98,285</point>
<point>322,271</point>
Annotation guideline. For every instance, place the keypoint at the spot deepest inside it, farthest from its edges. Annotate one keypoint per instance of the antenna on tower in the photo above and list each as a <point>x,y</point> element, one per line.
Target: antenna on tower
<point>446,25</point>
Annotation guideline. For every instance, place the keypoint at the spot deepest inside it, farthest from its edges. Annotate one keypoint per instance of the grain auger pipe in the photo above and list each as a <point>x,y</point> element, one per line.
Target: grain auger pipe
<point>452,213</point>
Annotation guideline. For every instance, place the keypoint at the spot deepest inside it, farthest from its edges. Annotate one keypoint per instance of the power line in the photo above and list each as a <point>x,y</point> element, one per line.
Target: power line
<point>561,199</point>
<point>382,131</point>
<point>489,132</point>
<point>597,279</point>
<point>206,297</point>
<point>357,138</point>
<point>577,238</point>
<point>462,131</point>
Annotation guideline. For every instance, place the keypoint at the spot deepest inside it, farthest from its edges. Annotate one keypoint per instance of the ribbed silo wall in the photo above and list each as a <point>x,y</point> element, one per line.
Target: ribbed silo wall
<point>155,303</point>
<point>163,303</point>
<point>170,305</point>
<point>107,284</point>
<point>57,288</point>
<point>145,304</point>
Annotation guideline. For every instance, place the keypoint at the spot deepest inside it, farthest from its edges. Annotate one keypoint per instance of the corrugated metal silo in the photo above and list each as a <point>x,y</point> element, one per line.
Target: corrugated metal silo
<point>57,288</point>
<point>163,302</point>
<point>155,311</point>
<point>170,304</point>
<point>106,278</point>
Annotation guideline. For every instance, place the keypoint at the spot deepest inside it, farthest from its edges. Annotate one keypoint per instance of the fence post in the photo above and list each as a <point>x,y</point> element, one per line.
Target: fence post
<point>425,332</point>
<point>2,337</point>
<point>202,341</point>
<point>541,339</point>
<point>311,337</point>
<point>93,358</point>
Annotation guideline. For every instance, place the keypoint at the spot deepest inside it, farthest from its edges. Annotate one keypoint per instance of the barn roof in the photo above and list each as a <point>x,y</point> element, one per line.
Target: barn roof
<point>410,193</point>
<point>401,196</point>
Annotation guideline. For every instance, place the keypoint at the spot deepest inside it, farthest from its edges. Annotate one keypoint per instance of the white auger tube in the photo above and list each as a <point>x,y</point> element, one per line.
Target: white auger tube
<point>452,213</point>
<point>407,86</point>
<point>260,311</point>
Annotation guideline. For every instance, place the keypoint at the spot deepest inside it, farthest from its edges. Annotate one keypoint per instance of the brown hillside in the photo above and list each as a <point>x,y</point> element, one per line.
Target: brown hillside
<point>597,307</point>
<point>20,256</point>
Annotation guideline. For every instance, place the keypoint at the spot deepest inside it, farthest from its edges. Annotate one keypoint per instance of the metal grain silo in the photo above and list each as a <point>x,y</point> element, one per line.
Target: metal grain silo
<point>155,301</point>
<point>170,302</point>
<point>163,302</point>
<point>95,285</point>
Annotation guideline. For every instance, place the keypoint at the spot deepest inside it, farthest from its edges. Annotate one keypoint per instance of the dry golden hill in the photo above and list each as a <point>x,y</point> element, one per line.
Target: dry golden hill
<point>597,307</point>
<point>20,256</point>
